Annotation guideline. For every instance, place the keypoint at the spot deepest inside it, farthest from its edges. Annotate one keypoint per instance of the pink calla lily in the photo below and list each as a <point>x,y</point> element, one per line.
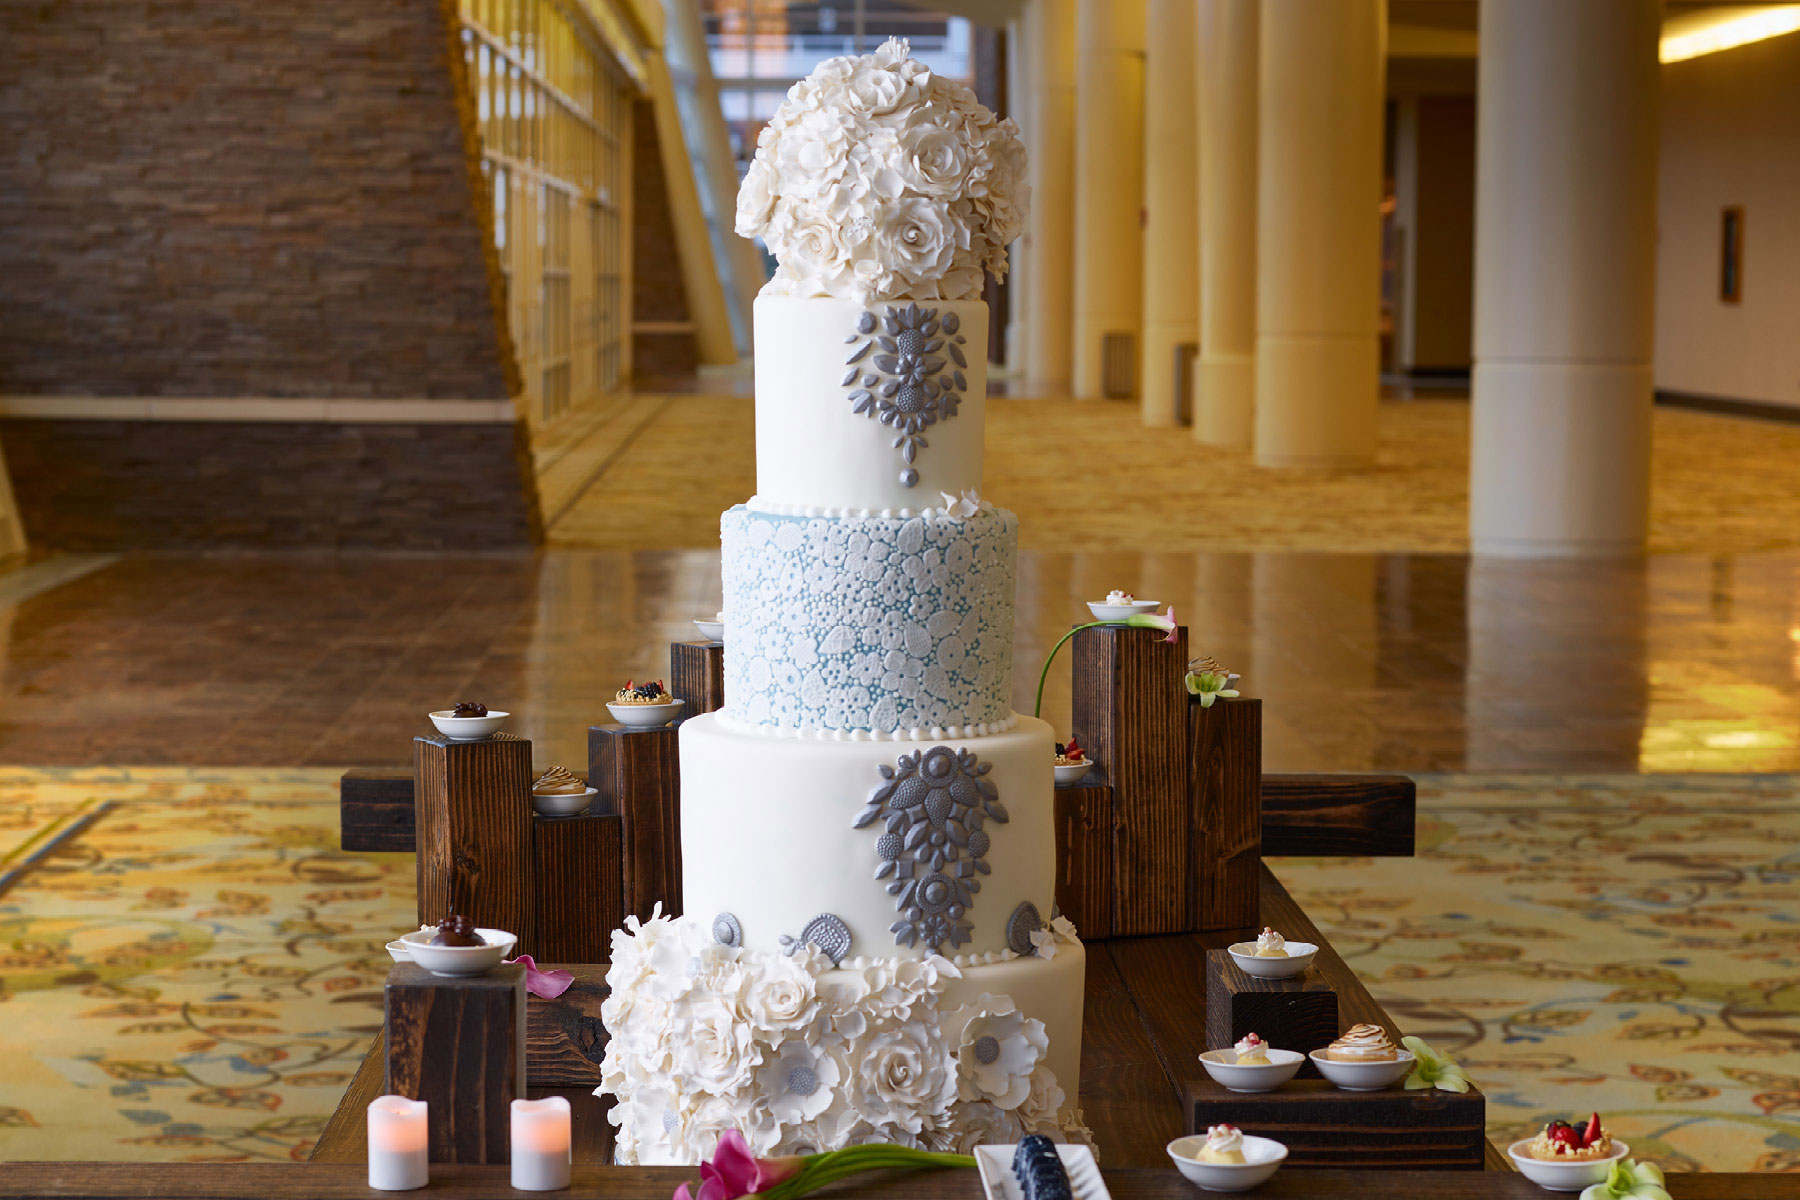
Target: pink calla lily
<point>735,1172</point>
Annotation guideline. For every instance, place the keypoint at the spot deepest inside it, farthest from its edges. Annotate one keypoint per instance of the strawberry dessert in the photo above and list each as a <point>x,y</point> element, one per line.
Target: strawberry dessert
<point>1560,1141</point>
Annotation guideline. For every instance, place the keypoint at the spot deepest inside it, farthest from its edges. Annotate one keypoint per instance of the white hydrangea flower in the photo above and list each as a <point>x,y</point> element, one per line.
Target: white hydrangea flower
<point>997,1048</point>
<point>877,180</point>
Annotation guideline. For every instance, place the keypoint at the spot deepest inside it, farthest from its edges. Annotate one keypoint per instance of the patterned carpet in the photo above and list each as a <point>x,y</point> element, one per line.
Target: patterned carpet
<point>196,975</point>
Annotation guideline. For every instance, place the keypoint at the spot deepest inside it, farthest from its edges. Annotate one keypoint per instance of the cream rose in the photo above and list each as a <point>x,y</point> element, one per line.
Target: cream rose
<point>904,1077</point>
<point>917,237</point>
<point>713,1050</point>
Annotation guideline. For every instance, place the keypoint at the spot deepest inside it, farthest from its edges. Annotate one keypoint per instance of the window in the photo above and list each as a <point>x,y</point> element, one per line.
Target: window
<point>1731,255</point>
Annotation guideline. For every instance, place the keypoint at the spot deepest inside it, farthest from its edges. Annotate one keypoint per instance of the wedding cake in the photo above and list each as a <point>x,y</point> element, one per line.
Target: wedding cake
<point>868,949</point>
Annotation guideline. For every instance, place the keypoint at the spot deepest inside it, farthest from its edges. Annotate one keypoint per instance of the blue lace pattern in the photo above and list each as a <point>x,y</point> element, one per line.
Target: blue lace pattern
<point>884,624</point>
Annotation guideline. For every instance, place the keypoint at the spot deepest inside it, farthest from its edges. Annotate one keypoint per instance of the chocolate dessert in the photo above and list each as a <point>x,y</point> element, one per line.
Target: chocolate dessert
<point>469,708</point>
<point>456,930</point>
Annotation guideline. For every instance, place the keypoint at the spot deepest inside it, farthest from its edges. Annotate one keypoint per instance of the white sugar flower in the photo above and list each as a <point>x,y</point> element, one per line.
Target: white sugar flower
<point>997,1048</point>
<point>1042,1109</point>
<point>780,995</point>
<point>896,989</point>
<point>713,1050</point>
<point>798,1081</point>
<point>975,1123</point>
<point>905,1078</point>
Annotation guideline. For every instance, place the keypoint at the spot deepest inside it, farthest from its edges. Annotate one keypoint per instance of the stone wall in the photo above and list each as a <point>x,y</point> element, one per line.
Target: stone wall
<point>248,201</point>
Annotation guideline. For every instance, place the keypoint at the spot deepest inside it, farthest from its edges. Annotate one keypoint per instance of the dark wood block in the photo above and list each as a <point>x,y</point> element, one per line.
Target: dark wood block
<point>580,885</point>
<point>1129,713</point>
<point>638,772</point>
<point>1339,815</point>
<point>459,1045</point>
<point>1325,1126</point>
<point>1084,881</point>
<point>564,1037</point>
<point>375,810</point>
<point>1225,846</point>
<point>1290,1014</point>
<point>697,675</point>
<point>473,806</point>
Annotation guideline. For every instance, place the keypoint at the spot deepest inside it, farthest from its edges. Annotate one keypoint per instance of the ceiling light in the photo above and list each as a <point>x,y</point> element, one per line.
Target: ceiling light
<point>1714,30</point>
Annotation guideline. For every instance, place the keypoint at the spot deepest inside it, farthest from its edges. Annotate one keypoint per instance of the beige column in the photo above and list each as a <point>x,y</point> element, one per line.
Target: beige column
<point>1171,238</point>
<point>1049,305</point>
<point>1318,232</point>
<point>1018,255</point>
<point>1109,192</point>
<point>1565,260</point>
<point>1226,384</point>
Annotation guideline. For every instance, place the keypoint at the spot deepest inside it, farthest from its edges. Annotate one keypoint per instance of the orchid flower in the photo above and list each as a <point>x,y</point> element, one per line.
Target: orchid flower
<point>734,1171</point>
<point>1432,1069</point>
<point>967,505</point>
<point>1164,621</point>
<point>1629,1180</point>
<point>1206,679</point>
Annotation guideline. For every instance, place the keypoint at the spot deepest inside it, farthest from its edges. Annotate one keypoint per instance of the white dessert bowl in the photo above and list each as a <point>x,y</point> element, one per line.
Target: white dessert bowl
<point>459,960</point>
<point>468,729</point>
<point>644,716</point>
<point>1071,772</point>
<point>1223,1066</point>
<point>1118,612</point>
<point>1299,957</point>
<point>562,804</point>
<point>1364,1076</point>
<point>712,630</point>
<point>1262,1157</point>
<point>1564,1176</point>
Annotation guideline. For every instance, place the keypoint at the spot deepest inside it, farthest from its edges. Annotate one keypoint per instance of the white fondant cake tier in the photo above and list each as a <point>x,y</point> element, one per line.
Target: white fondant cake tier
<point>854,400</point>
<point>915,848</point>
<point>885,624</point>
<point>800,1056</point>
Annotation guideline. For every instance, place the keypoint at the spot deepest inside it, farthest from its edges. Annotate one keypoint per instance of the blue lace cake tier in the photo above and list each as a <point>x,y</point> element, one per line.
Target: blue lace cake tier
<point>884,626</point>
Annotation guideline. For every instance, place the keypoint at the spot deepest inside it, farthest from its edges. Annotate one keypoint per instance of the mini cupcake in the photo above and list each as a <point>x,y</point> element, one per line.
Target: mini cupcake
<point>1252,1051</point>
<point>1224,1144</point>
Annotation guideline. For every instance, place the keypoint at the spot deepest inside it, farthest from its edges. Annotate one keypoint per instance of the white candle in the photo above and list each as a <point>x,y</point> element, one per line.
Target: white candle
<point>540,1144</point>
<point>399,1159</point>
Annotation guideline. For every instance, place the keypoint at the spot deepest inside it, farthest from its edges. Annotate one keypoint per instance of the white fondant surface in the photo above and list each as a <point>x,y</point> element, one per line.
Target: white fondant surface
<point>884,624</point>
<point>768,834</point>
<point>814,450</point>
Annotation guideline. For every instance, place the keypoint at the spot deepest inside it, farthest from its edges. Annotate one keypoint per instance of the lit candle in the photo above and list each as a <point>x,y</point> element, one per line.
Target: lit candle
<point>398,1158</point>
<point>540,1144</point>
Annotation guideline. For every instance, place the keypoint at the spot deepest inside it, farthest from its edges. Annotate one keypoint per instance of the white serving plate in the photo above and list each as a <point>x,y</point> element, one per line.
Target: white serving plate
<point>1223,1066</point>
<point>556,804</point>
<point>1299,957</point>
<point>1564,1176</point>
<point>456,960</point>
<point>999,1183</point>
<point>468,729</point>
<point>1118,612</point>
<point>1071,772</point>
<point>712,631</point>
<point>644,716</point>
<point>1262,1158</point>
<point>1364,1076</point>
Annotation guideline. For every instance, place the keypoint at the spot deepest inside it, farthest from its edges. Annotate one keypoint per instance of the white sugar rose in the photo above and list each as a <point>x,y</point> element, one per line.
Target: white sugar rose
<point>780,996</point>
<point>1042,1109</point>
<point>934,161</point>
<point>756,199</point>
<point>713,1050</point>
<point>905,1078</point>
<point>918,237</point>
<point>997,1048</point>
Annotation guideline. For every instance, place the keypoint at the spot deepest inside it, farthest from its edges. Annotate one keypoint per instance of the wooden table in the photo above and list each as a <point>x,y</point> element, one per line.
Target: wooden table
<point>1144,1029</point>
<point>321,1181</point>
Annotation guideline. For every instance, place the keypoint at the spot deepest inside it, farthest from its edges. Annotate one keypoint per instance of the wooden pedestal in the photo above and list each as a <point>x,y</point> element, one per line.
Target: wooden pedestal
<point>1289,1014</point>
<point>1325,1126</point>
<point>565,1038</point>
<point>1225,848</point>
<point>473,810</point>
<point>580,879</point>
<point>375,810</point>
<point>1084,849</point>
<point>697,675</point>
<point>638,774</point>
<point>1129,712</point>
<point>459,1045</point>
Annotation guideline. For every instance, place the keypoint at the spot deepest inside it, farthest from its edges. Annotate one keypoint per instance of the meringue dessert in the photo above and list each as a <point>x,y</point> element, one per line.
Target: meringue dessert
<point>642,693</point>
<point>1560,1141</point>
<point>1363,1043</point>
<point>1270,944</point>
<point>1224,1144</point>
<point>1252,1051</point>
<point>1117,597</point>
<point>558,781</point>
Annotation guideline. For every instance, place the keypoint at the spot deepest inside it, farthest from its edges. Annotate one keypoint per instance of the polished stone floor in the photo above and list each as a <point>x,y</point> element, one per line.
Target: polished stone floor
<point>1365,661</point>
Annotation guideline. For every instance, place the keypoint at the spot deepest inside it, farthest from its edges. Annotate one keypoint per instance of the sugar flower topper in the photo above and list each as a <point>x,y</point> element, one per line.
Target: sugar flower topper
<point>879,180</point>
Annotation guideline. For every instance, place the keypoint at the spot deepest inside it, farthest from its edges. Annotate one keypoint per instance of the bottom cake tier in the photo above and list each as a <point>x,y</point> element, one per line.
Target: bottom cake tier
<point>801,1056</point>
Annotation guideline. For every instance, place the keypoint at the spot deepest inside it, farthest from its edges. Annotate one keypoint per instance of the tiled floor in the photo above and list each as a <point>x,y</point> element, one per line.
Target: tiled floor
<point>1410,662</point>
<point>1402,654</point>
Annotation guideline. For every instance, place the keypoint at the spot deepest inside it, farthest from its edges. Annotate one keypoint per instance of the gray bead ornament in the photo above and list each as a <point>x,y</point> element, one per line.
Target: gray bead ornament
<point>934,803</point>
<point>825,931</point>
<point>1024,922</point>
<point>726,931</point>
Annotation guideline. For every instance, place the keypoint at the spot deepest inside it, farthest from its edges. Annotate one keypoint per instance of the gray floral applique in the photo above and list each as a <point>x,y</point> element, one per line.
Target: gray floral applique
<point>907,372</point>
